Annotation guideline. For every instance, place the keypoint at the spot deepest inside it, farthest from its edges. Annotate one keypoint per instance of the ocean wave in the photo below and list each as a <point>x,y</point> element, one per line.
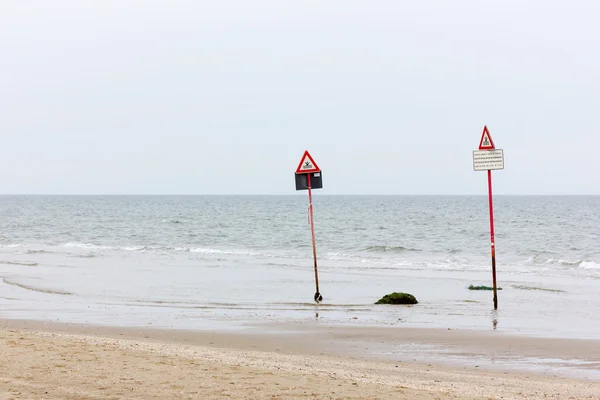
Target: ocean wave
<point>88,255</point>
<point>159,249</point>
<point>171,221</point>
<point>391,249</point>
<point>358,263</point>
<point>219,251</point>
<point>333,256</point>
<point>39,252</point>
<point>36,289</point>
<point>133,248</point>
<point>566,262</point>
<point>91,246</point>
<point>589,265</point>
<point>391,257</point>
<point>585,264</point>
<point>88,246</point>
<point>23,263</point>
<point>539,259</point>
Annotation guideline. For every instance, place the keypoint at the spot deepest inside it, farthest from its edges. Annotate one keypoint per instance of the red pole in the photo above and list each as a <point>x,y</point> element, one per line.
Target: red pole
<point>314,245</point>
<point>492,238</point>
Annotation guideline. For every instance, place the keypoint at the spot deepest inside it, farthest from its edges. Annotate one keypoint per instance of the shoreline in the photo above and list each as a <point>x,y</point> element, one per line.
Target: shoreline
<point>80,362</point>
<point>465,349</point>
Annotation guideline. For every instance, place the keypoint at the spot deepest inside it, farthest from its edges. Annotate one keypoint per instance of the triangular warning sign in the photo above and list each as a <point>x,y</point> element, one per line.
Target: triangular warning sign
<point>486,142</point>
<point>307,165</point>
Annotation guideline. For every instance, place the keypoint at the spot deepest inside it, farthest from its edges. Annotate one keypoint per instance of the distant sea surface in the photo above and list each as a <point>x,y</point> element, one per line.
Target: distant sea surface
<point>198,262</point>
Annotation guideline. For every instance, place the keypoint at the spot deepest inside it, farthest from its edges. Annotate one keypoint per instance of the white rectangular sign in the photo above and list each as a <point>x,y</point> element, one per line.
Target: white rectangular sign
<point>484,160</point>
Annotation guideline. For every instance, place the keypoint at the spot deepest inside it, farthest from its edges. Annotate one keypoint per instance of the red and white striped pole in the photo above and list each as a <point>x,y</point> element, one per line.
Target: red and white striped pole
<point>487,158</point>
<point>492,240</point>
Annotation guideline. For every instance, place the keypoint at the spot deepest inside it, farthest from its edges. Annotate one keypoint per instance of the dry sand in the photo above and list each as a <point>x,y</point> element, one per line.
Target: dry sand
<point>47,364</point>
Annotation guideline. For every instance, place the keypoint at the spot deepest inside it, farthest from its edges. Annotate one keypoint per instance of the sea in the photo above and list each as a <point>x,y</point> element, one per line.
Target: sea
<point>224,262</point>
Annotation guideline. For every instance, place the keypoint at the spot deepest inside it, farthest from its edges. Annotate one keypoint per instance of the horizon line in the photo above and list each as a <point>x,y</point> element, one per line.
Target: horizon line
<point>289,194</point>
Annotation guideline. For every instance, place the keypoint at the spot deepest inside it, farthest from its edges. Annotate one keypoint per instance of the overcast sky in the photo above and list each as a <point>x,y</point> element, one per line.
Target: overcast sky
<point>223,97</point>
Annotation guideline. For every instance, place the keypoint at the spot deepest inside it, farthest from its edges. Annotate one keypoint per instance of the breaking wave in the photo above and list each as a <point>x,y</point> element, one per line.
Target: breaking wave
<point>585,264</point>
<point>36,289</point>
<point>88,246</point>
<point>391,249</point>
<point>39,252</point>
<point>589,265</point>
<point>158,249</point>
<point>539,259</point>
<point>23,263</point>
<point>88,255</point>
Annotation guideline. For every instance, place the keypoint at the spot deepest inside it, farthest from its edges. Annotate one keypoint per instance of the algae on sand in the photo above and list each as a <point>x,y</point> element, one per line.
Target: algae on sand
<point>538,288</point>
<point>471,287</point>
<point>398,298</point>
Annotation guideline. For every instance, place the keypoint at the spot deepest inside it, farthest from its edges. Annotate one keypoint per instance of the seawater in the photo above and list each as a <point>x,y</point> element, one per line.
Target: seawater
<point>196,262</point>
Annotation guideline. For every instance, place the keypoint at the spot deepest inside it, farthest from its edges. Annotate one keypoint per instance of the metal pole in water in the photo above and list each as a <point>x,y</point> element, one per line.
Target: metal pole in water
<point>488,158</point>
<point>306,170</point>
<point>493,242</point>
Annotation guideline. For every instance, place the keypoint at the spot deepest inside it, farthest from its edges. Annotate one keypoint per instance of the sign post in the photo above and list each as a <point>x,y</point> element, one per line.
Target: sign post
<point>487,158</point>
<point>308,177</point>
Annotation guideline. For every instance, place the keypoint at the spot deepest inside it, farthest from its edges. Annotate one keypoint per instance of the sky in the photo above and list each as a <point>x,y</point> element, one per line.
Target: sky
<point>224,97</point>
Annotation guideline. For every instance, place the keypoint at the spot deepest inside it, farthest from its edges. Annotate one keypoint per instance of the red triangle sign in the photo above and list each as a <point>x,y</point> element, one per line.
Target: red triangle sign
<point>486,142</point>
<point>307,165</point>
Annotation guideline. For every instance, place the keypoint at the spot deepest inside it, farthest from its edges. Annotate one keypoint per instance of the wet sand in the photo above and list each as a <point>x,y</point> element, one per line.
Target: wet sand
<point>54,361</point>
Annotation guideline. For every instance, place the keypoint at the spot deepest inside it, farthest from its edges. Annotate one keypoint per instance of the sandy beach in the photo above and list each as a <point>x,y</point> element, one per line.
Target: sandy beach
<point>53,361</point>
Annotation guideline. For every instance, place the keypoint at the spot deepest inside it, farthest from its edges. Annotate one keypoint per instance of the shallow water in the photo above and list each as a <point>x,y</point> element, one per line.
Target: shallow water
<point>203,262</point>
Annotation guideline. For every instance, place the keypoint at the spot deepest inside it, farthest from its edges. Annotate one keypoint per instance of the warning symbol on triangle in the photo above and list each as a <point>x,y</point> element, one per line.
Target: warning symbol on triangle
<point>307,165</point>
<point>486,142</point>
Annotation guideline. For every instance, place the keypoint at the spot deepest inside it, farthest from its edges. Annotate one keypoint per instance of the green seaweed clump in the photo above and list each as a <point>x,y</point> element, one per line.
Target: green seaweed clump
<point>471,287</point>
<point>398,298</point>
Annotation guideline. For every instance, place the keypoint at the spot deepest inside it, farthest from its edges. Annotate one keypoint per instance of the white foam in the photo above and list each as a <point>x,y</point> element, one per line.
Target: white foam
<point>589,265</point>
<point>134,248</point>
<point>203,250</point>
<point>570,262</point>
<point>219,251</point>
<point>87,246</point>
